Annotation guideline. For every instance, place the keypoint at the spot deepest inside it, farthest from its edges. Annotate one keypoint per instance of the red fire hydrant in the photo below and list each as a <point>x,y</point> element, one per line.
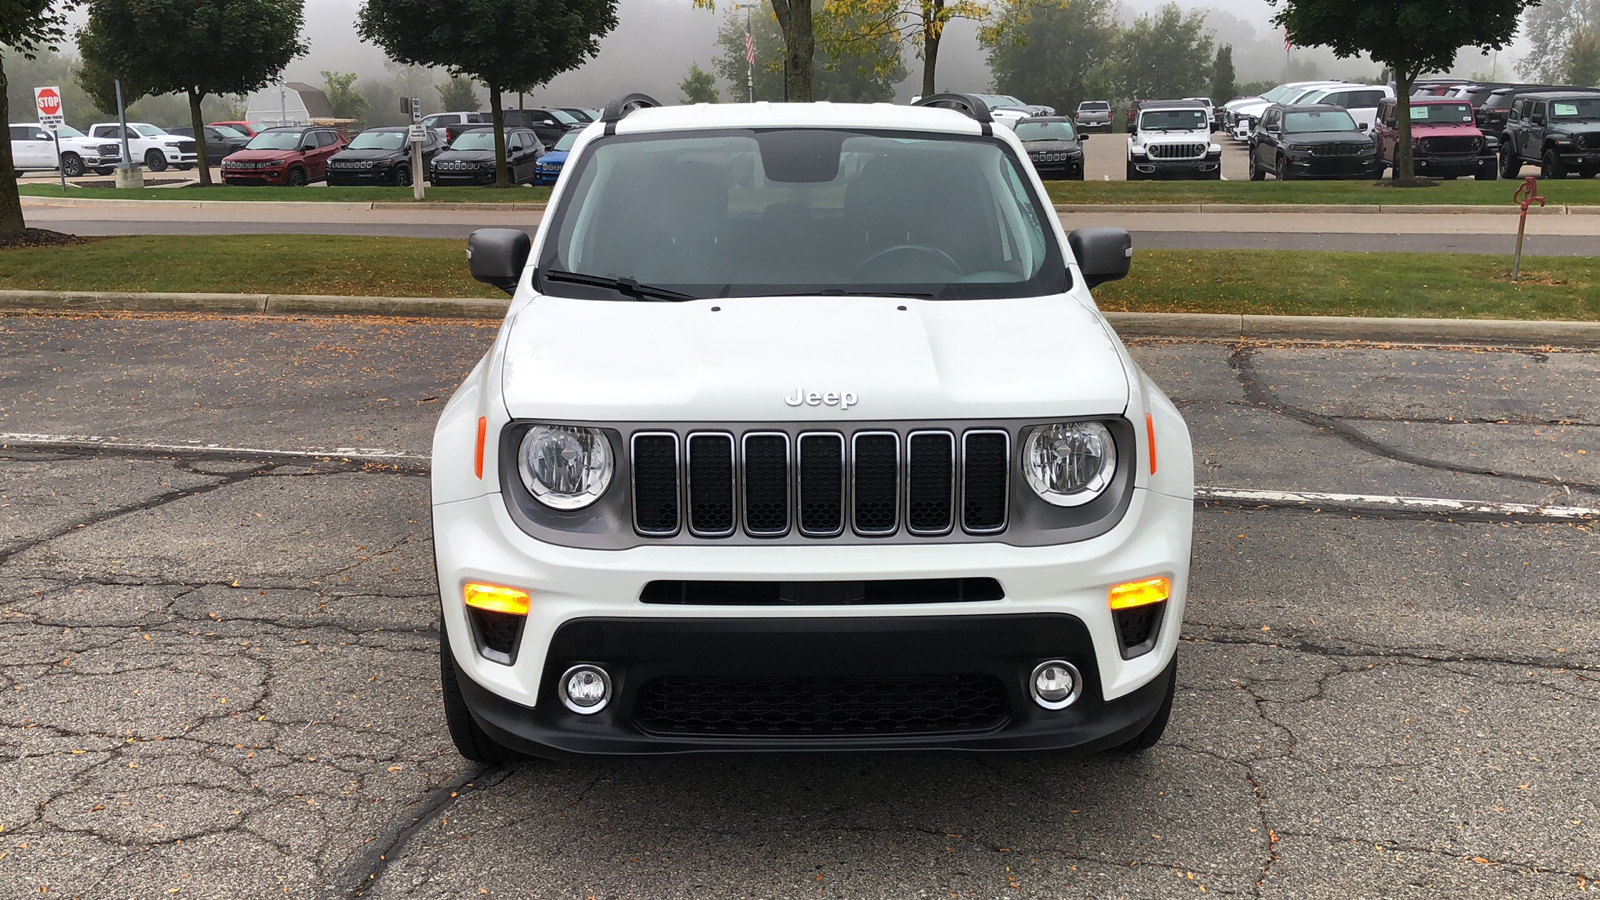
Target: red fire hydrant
<point>1527,193</point>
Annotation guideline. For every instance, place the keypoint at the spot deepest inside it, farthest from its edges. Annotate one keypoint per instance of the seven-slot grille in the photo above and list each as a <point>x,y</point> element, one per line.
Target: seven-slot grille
<point>1452,144</point>
<point>1589,141</point>
<point>821,484</point>
<point>1175,151</point>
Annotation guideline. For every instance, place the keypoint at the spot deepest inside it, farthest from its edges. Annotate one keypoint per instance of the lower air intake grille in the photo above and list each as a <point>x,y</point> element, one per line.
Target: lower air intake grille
<point>822,707</point>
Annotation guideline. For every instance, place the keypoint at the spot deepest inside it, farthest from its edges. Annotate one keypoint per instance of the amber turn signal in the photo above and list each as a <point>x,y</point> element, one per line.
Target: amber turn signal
<point>494,598</point>
<point>1140,593</point>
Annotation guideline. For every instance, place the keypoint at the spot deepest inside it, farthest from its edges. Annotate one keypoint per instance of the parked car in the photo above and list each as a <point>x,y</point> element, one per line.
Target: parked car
<point>34,149</point>
<point>1211,110</point>
<point>1445,139</point>
<point>584,116</point>
<point>1559,131</point>
<point>470,157</point>
<point>1492,115</point>
<point>220,141</point>
<point>1054,145</point>
<point>148,144</point>
<point>1240,122</point>
<point>1172,139</point>
<point>292,155</point>
<point>549,166</point>
<point>381,156</point>
<point>548,124</point>
<point>1311,142</point>
<point>1359,100</point>
<point>751,477</point>
<point>1093,114</point>
<point>451,124</point>
<point>248,129</point>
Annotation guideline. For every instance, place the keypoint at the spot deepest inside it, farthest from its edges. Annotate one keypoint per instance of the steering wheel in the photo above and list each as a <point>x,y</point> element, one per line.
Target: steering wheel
<point>945,260</point>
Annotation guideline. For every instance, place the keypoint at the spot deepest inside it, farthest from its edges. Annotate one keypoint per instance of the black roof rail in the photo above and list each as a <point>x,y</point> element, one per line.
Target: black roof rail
<point>967,103</point>
<point>621,106</point>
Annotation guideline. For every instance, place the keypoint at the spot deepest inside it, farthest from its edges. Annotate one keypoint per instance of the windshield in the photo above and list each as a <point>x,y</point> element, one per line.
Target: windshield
<point>1172,119</point>
<point>803,211</point>
<point>474,140</point>
<point>1046,131</point>
<point>1587,108</point>
<point>1318,120</point>
<point>1278,93</point>
<point>227,132</point>
<point>994,100</point>
<point>148,130</point>
<point>68,131</point>
<point>379,140</point>
<point>567,140</point>
<point>564,118</point>
<point>1442,113</point>
<point>275,140</point>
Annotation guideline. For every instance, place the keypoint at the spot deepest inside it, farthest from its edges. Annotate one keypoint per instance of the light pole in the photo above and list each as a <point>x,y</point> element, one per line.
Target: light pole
<point>749,49</point>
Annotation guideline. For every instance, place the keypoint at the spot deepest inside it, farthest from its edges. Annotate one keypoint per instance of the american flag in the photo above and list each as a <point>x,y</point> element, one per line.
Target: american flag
<point>1287,43</point>
<point>749,43</point>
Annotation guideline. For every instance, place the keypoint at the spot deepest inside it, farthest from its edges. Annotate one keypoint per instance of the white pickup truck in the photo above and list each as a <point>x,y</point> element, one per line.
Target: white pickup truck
<point>150,145</point>
<point>34,150</point>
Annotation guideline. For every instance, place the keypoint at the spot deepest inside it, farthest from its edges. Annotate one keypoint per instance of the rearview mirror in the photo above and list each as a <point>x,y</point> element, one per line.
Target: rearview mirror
<point>497,256</point>
<point>1103,254</point>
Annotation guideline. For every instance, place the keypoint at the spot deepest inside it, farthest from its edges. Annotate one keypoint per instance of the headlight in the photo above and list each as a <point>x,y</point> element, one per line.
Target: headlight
<point>273,162</point>
<point>564,467</point>
<point>1071,463</point>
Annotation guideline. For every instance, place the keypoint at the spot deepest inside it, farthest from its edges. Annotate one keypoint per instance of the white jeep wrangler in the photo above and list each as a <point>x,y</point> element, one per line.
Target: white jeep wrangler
<point>803,432</point>
<point>1172,139</point>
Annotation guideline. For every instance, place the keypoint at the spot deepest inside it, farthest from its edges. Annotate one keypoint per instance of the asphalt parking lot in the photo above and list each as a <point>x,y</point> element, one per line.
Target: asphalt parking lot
<point>219,674</point>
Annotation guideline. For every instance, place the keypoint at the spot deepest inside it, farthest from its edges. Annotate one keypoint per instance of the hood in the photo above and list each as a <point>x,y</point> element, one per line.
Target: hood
<point>261,155</point>
<point>1574,127</point>
<point>1328,137</point>
<point>466,156</point>
<point>1187,136</point>
<point>744,359</point>
<point>554,158</point>
<point>380,155</point>
<point>1444,129</point>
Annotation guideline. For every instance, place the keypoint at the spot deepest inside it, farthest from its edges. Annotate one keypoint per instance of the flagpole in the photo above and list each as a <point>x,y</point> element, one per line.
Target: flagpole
<point>749,50</point>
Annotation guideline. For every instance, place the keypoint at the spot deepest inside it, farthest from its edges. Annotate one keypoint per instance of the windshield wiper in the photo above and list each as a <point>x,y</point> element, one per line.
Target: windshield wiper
<point>841,292</point>
<point>625,286</point>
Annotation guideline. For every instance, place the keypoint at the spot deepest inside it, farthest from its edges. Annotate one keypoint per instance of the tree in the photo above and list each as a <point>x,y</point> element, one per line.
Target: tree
<point>1050,54</point>
<point>509,45</point>
<point>459,95</point>
<point>1165,55</point>
<point>850,70</point>
<point>346,101</point>
<point>1222,80</point>
<point>195,48</point>
<point>1408,36</point>
<point>699,86</point>
<point>797,21</point>
<point>96,80</point>
<point>1583,57</point>
<point>1549,29</point>
<point>26,26</point>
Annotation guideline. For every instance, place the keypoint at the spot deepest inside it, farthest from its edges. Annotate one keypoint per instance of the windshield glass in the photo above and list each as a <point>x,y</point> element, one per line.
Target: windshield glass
<point>563,117</point>
<point>148,130</point>
<point>1278,93</point>
<point>225,131</point>
<point>68,131</point>
<point>567,140</point>
<point>1318,120</point>
<point>803,211</point>
<point>379,140</point>
<point>275,140</point>
<point>1046,131</point>
<point>474,140</point>
<point>1172,119</point>
<point>994,100</point>
<point>1587,108</point>
<point>1442,113</point>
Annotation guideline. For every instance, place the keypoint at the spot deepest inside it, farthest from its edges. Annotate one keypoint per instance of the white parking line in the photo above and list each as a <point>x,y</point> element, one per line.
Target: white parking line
<point>1354,502</point>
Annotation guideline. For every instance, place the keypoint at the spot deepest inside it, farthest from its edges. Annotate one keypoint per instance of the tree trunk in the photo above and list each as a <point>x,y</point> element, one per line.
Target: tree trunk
<point>932,33</point>
<point>11,222</point>
<point>1404,76</point>
<point>201,160</point>
<point>500,177</point>
<point>799,45</point>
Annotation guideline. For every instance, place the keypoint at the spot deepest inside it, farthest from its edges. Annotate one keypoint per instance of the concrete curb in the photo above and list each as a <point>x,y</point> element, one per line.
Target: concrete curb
<point>1182,326</point>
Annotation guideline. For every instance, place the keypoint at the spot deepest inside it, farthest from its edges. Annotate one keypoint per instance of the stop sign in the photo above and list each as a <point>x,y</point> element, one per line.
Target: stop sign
<point>49,101</point>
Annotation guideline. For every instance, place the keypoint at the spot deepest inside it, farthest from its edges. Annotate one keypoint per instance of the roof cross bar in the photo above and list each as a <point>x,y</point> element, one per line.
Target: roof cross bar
<point>621,106</point>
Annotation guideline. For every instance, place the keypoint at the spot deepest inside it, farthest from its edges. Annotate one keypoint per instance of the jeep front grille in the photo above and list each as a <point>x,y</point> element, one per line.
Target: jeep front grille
<point>873,482</point>
<point>1445,146</point>
<point>1590,141</point>
<point>1338,150</point>
<point>1175,151</point>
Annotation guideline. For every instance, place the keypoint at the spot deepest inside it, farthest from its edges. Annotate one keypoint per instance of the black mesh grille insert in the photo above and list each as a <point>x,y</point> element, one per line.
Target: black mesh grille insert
<point>795,707</point>
<point>766,484</point>
<point>983,507</point>
<point>930,482</point>
<point>655,484</point>
<point>822,593</point>
<point>877,482</point>
<point>821,483</point>
<point>711,484</point>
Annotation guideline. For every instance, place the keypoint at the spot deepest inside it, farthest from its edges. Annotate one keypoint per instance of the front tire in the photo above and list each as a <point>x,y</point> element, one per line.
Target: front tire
<point>1151,734</point>
<point>71,165</point>
<point>105,170</point>
<point>1133,174</point>
<point>1284,173</point>
<point>1488,172</point>
<point>1510,163</point>
<point>1256,172</point>
<point>296,177</point>
<point>1553,166</point>
<point>402,176</point>
<point>469,737</point>
<point>155,161</point>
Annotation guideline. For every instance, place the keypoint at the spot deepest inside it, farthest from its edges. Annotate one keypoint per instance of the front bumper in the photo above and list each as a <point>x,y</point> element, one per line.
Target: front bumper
<point>338,178</point>
<point>1335,167</point>
<point>256,176</point>
<point>462,177</point>
<point>1177,168</point>
<point>1054,607</point>
<point>1453,165</point>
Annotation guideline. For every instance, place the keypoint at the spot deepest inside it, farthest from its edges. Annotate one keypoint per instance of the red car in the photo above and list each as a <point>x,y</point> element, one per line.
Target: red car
<point>294,156</point>
<point>249,129</point>
<point>1445,139</point>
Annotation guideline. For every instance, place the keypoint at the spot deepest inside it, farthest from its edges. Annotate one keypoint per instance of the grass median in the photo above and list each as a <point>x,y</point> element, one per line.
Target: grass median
<point>1567,192</point>
<point>282,194</point>
<point>1281,282</point>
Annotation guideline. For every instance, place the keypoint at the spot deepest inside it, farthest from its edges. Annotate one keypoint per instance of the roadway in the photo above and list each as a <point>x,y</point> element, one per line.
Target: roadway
<point>220,678</point>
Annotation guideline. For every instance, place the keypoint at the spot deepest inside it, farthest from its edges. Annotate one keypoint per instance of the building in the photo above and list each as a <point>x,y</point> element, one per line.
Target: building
<point>291,103</point>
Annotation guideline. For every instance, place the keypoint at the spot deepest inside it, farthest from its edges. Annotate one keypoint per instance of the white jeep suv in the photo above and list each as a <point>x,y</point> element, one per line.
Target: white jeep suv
<point>803,432</point>
<point>1172,139</point>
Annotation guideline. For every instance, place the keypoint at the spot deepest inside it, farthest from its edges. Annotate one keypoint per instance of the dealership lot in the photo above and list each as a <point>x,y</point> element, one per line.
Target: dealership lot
<point>220,679</point>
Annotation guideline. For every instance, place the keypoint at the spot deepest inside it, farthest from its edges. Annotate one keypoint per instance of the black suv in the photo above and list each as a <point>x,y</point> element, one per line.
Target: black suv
<point>1311,141</point>
<point>1054,145</point>
<point>548,124</point>
<point>1493,111</point>
<point>1559,131</point>
<point>470,157</point>
<point>381,156</point>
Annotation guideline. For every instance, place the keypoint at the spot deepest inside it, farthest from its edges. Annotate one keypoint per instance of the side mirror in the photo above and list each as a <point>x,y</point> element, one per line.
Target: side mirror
<point>497,256</point>
<point>1361,125</point>
<point>1103,254</point>
<point>1083,136</point>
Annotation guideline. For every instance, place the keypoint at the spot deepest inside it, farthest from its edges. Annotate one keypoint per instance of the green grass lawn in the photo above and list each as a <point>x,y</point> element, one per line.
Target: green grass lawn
<point>1567,192</point>
<point>324,194</point>
<point>1282,282</point>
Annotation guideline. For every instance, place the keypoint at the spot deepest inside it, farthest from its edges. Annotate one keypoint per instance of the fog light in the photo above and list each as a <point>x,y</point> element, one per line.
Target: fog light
<point>585,689</point>
<point>1056,684</point>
